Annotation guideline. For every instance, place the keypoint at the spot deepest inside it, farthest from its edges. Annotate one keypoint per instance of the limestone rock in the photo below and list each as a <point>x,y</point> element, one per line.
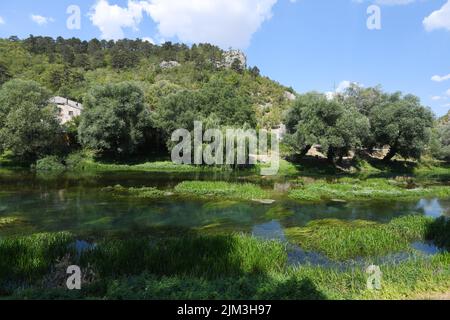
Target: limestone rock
<point>169,64</point>
<point>230,56</point>
<point>289,96</point>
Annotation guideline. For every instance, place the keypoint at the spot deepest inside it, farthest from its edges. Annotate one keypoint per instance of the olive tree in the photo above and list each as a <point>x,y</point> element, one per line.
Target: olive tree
<point>403,125</point>
<point>315,119</point>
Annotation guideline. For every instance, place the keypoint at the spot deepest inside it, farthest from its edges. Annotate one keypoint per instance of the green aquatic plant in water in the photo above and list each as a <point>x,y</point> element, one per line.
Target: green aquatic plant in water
<point>278,212</point>
<point>245,191</point>
<point>371,189</point>
<point>145,192</point>
<point>343,240</point>
<point>6,221</point>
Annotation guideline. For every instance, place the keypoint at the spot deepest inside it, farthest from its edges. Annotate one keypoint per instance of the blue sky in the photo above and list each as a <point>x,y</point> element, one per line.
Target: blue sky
<point>307,44</point>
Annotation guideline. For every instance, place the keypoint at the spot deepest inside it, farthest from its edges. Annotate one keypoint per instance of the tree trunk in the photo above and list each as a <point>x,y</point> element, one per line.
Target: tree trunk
<point>331,155</point>
<point>305,150</point>
<point>392,152</point>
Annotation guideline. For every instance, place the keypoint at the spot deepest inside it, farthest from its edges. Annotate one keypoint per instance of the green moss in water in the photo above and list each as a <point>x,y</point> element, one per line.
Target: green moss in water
<point>219,205</point>
<point>278,212</point>
<point>144,193</point>
<point>8,221</point>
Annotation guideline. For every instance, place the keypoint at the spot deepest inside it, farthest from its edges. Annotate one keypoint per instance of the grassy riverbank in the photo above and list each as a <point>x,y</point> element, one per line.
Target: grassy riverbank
<point>222,267</point>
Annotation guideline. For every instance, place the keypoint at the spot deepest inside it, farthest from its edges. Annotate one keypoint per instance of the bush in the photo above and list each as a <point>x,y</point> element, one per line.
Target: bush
<point>78,160</point>
<point>50,163</point>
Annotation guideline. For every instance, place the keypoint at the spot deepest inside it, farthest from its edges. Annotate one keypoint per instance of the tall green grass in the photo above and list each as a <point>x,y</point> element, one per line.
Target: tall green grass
<point>207,256</point>
<point>407,280</point>
<point>340,240</point>
<point>229,266</point>
<point>29,258</point>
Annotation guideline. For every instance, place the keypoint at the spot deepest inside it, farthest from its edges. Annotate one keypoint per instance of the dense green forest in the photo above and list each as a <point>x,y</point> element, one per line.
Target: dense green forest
<point>133,100</point>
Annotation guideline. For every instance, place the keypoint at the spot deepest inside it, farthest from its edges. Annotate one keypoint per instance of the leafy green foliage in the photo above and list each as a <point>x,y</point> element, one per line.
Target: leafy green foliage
<point>4,74</point>
<point>114,119</point>
<point>314,119</point>
<point>404,125</point>
<point>28,124</point>
<point>440,146</point>
<point>218,101</point>
<point>360,118</point>
<point>50,163</point>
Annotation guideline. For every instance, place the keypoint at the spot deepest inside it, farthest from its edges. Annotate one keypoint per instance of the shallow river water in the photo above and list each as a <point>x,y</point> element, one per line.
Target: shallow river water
<point>78,204</point>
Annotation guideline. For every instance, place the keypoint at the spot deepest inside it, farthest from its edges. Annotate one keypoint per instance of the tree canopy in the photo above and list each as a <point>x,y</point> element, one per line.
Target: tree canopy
<point>29,127</point>
<point>114,119</point>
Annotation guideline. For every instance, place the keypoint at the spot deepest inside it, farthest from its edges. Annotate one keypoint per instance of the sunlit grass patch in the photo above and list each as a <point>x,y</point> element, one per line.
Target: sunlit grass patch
<point>222,189</point>
<point>7,221</point>
<point>355,189</point>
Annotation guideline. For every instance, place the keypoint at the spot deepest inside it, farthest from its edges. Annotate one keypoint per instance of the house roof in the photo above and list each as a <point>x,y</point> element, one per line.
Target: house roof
<point>66,102</point>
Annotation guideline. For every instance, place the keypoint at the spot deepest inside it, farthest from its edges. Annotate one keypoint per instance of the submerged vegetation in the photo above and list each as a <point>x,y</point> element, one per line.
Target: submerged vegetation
<point>148,193</point>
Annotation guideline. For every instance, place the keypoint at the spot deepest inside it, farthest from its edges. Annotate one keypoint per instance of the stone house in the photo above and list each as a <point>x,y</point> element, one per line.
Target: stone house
<point>67,109</point>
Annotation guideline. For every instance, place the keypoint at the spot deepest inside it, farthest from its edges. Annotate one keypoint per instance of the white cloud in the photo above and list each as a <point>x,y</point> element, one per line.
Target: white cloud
<point>439,19</point>
<point>394,2</point>
<point>111,19</point>
<point>226,23</point>
<point>342,86</point>
<point>41,20</point>
<point>438,78</point>
<point>448,92</point>
<point>436,98</point>
<point>149,40</point>
<point>388,2</point>
<point>2,21</point>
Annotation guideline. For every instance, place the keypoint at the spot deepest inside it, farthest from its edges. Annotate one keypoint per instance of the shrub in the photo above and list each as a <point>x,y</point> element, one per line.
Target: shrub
<point>50,163</point>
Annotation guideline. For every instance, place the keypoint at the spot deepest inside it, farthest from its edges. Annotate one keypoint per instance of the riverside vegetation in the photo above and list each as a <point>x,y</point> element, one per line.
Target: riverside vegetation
<point>132,103</point>
<point>224,267</point>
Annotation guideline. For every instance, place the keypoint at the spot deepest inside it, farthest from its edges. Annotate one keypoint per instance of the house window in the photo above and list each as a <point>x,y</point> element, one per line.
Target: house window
<point>71,113</point>
<point>60,111</point>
